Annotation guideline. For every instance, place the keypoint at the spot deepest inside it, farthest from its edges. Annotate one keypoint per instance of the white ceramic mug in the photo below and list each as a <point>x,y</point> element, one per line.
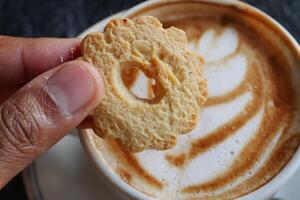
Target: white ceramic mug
<point>262,193</point>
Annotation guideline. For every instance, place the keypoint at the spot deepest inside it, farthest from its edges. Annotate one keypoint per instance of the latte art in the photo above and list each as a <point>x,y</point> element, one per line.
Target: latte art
<point>247,131</point>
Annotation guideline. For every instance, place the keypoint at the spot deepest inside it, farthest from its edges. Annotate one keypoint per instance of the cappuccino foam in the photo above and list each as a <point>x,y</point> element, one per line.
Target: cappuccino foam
<point>248,129</point>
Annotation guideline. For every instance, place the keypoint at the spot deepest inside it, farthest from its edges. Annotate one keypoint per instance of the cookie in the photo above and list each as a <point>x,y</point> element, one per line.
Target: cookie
<point>161,54</point>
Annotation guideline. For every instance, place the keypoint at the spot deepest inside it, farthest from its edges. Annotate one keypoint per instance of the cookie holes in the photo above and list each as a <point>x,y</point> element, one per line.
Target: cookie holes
<point>142,86</point>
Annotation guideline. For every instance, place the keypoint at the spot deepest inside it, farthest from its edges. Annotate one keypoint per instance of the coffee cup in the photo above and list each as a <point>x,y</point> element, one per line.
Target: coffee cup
<point>245,144</point>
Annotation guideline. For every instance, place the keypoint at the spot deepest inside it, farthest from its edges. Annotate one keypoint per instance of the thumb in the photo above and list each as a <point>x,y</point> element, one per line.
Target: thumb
<point>43,111</point>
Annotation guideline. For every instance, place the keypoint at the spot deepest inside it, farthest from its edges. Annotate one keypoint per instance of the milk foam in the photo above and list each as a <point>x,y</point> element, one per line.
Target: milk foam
<point>140,88</point>
<point>223,75</point>
<point>226,68</point>
<point>215,47</point>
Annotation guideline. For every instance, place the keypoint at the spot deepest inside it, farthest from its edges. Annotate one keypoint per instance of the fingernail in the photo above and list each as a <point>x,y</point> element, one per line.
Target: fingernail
<point>71,87</point>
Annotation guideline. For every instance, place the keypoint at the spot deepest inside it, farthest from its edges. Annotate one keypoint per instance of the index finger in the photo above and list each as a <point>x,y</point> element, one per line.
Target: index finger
<point>22,59</point>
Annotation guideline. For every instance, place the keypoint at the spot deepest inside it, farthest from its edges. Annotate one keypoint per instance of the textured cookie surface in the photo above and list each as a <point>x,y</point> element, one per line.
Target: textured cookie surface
<point>161,54</point>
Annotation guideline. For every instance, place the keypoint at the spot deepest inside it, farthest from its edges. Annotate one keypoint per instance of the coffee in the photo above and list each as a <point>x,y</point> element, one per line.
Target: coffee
<point>249,127</point>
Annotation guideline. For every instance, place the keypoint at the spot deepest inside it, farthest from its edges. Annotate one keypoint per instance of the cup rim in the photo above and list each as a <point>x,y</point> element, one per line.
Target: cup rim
<point>263,192</point>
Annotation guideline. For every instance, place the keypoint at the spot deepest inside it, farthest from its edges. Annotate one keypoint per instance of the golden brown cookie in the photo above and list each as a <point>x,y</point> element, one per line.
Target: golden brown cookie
<point>162,55</point>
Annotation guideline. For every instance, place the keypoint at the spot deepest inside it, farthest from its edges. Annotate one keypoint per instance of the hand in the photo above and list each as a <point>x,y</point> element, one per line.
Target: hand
<point>42,97</point>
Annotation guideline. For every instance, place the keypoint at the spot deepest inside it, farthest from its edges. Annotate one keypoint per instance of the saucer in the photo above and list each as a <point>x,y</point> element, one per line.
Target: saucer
<point>64,172</point>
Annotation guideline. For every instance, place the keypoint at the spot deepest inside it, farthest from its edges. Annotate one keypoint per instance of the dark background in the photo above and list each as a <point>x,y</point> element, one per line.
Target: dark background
<point>67,18</point>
